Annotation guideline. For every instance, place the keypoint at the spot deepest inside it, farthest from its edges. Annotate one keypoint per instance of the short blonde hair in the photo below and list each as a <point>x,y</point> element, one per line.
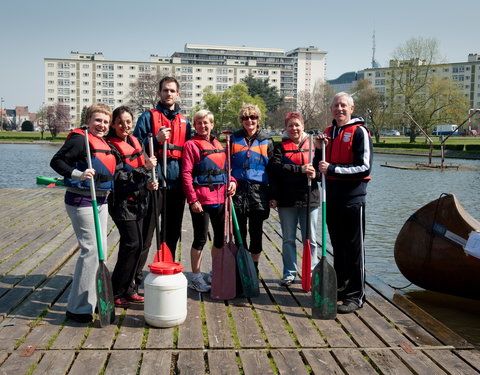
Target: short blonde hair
<point>201,114</point>
<point>98,107</point>
<point>248,110</point>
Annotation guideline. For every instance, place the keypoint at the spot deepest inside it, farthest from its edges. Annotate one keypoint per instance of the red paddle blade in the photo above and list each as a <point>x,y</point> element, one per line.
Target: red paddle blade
<point>306,266</point>
<point>163,254</point>
<point>51,185</point>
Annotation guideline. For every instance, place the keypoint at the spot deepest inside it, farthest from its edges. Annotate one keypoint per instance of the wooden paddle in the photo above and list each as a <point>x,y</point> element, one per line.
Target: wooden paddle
<point>163,253</point>
<point>324,278</point>
<point>307,252</point>
<point>106,307</point>
<point>224,283</point>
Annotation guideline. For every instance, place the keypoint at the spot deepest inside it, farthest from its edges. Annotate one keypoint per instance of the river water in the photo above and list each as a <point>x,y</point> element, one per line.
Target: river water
<point>393,195</point>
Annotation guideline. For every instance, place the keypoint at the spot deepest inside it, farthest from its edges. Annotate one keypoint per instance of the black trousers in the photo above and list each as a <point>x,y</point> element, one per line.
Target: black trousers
<point>346,227</point>
<point>173,216</point>
<point>255,221</point>
<point>128,261</point>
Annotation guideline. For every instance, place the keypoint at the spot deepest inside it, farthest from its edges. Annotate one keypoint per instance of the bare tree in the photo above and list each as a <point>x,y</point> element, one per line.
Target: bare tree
<point>143,92</point>
<point>314,106</point>
<point>58,118</point>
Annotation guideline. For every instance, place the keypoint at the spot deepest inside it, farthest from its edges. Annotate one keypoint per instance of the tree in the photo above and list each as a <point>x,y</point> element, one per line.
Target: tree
<point>262,88</point>
<point>83,116</point>
<point>226,105</point>
<point>42,120</point>
<point>143,92</point>
<point>58,118</point>
<point>371,105</point>
<point>315,106</point>
<point>411,75</point>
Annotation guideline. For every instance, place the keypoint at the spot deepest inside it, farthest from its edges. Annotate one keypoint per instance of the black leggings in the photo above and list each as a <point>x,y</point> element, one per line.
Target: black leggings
<point>255,229</point>
<point>214,214</point>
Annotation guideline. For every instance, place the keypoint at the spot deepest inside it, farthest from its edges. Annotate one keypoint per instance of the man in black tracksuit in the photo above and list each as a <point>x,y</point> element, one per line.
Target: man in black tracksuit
<point>347,171</point>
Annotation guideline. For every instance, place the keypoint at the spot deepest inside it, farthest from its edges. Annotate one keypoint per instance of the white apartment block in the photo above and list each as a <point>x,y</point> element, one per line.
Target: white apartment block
<point>85,78</point>
<point>465,74</point>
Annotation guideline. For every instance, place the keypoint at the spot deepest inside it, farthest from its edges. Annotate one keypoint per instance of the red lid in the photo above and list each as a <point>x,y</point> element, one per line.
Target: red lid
<point>165,268</point>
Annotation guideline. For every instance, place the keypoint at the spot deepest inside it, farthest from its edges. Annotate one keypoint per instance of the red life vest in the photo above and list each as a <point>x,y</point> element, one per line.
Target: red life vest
<point>210,170</point>
<point>296,154</point>
<point>132,156</point>
<point>178,133</point>
<point>103,161</point>
<point>339,150</point>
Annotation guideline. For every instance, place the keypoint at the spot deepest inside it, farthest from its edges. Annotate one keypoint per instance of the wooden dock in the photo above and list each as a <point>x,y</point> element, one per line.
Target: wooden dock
<point>271,334</point>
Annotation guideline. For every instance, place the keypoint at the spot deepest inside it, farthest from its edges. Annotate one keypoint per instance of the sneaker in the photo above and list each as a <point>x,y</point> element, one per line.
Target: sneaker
<point>198,283</point>
<point>209,277</point>
<point>80,318</point>
<point>121,302</point>
<point>287,281</point>
<point>135,298</point>
<point>347,308</point>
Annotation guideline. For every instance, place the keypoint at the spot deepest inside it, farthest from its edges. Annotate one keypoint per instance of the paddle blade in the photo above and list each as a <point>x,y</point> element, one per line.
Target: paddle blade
<point>224,285</point>
<point>106,308</point>
<point>163,254</point>
<point>306,266</point>
<point>324,291</point>
<point>51,185</point>
<point>248,273</point>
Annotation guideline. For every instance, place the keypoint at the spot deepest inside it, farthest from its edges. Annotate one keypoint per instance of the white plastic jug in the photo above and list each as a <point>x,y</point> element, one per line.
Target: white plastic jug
<point>165,302</point>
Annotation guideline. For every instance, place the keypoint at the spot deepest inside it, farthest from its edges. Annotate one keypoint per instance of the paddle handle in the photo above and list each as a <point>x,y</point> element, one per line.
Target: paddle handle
<point>236,227</point>
<point>94,202</point>
<point>324,207</point>
<point>164,163</point>
<point>150,154</point>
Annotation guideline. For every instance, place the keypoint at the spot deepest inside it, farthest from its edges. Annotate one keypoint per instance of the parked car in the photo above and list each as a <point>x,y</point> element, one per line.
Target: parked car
<point>390,132</point>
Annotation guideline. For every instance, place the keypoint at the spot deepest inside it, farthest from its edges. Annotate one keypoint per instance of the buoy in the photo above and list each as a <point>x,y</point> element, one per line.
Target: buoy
<point>165,302</point>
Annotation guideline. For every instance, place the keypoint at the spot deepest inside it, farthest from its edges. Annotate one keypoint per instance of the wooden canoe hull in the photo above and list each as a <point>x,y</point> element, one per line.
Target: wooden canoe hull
<point>429,255</point>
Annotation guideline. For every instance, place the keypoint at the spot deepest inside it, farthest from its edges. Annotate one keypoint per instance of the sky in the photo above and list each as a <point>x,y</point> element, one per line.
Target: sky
<point>133,30</point>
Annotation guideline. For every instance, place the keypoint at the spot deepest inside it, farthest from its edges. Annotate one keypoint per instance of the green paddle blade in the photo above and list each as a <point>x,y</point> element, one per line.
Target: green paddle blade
<point>324,291</point>
<point>106,308</point>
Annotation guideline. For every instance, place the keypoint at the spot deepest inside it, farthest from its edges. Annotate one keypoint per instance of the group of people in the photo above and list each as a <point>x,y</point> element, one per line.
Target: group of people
<point>263,176</point>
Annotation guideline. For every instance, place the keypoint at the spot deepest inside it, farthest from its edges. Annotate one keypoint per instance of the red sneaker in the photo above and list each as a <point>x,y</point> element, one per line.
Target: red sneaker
<point>135,298</point>
<point>121,302</point>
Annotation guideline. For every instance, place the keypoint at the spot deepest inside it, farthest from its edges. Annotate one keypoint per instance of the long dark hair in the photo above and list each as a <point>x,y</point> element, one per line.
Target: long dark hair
<point>117,113</point>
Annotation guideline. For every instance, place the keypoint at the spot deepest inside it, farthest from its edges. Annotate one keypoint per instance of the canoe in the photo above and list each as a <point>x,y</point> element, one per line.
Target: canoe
<point>42,180</point>
<point>429,250</point>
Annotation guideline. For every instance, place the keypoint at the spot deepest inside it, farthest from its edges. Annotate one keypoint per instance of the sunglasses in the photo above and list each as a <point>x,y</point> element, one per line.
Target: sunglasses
<point>251,117</point>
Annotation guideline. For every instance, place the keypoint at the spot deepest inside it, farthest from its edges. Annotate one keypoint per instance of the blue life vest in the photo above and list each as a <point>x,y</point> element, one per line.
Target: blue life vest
<point>249,162</point>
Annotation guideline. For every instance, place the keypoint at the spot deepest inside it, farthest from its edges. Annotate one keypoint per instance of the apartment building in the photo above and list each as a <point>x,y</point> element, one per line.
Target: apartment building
<point>466,74</point>
<point>85,78</point>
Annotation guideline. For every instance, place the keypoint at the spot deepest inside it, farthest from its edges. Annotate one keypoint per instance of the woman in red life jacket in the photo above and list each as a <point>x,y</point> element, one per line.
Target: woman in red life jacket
<point>289,170</point>
<point>204,182</point>
<point>127,206</point>
<point>71,162</point>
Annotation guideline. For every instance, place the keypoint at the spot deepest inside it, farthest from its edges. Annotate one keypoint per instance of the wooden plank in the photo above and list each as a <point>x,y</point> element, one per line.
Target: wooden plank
<point>123,362</point>
<point>55,363</point>
<point>89,362</point>
<point>191,362</point>
<point>101,337</point>
<point>14,297</point>
<point>322,362</point>
<point>156,362</point>
<point>255,362</point>
<point>419,363</point>
<point>131,331</point>
<point>303,328</point>
<point>388,362</point>
<point>218,325</point>
<point>353,362</point>
<point>71,336</point>
<point>471,356</point>
<point>160,338</point>
<point>289,362</point>
<point>248,331</point>
<point>450,362</point>
<point>361,333</point>
<point>190,333</point>
<point>15,364</point>
<point>222,362</point>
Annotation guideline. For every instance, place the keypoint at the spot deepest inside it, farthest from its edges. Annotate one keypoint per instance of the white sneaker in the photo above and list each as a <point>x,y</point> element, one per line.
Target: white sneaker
<point>198,283</point>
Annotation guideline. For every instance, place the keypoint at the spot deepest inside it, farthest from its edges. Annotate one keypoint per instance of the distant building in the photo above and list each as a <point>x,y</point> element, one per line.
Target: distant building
<point>85,78</point>
<point>14,118</point>
<point>344,83</point>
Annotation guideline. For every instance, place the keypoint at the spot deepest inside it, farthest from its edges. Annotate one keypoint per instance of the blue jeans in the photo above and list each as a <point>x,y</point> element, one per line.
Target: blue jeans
<point>289,219</point>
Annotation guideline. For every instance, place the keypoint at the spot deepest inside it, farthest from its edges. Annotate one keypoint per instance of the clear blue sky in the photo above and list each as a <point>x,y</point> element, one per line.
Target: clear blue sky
<point>132,30</point>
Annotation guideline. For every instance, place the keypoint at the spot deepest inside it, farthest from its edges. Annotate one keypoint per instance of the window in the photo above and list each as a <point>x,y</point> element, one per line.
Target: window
<point>50,65</point>
<point>86,75</point>
<point>107,66</point>
<point>119,75</point>
<point>51,74</point>
<point>85,66</point>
